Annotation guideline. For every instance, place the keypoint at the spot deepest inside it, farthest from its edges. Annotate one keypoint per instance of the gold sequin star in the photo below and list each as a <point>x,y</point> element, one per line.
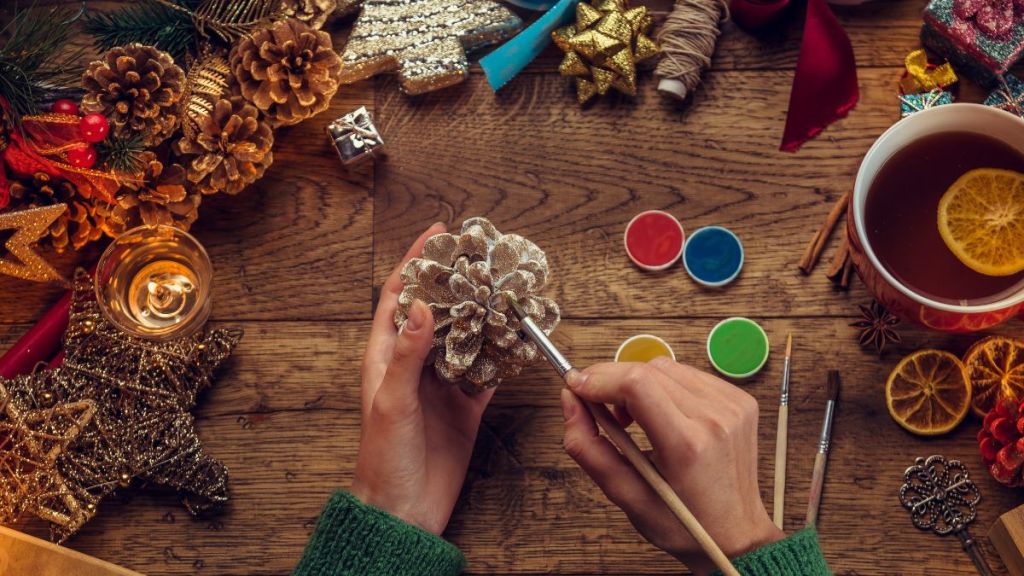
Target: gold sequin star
<point>29,226</point>
<point>30,442</point>
<point>143,392</point>
<point>424,41</point>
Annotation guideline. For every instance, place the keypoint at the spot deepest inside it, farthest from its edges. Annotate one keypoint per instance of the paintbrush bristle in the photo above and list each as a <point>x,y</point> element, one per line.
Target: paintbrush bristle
<point>832,389</point>
<point>789,345</point>
<point>516,308</point>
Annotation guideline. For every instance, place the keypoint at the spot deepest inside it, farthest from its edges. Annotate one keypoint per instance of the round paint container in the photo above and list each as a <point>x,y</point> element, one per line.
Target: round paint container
<point>643,348</point>
<point>738,347</point>
<point>713,256</point>
<point>654,240</point>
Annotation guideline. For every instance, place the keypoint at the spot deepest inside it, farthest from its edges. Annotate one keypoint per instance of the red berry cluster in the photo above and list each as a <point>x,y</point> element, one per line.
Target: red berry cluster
<point>92,127</point>
<point>1001,441</point>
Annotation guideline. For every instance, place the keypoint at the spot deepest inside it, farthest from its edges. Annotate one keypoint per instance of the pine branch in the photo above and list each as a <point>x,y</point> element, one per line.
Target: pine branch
<point>122,153</point>
<point>149,23</point>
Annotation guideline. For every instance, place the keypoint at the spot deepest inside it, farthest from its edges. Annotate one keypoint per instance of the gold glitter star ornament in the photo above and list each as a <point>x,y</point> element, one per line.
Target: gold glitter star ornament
<point>604,46</point>
<point>424,41</point>
<point>29,226</point>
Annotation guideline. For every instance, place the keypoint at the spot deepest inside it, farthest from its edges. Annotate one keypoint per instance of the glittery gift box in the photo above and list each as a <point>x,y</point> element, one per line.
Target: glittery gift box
<point>354,137</point>
<point>1008,95</point>
<point>956,30</point>
<point>910,103</point>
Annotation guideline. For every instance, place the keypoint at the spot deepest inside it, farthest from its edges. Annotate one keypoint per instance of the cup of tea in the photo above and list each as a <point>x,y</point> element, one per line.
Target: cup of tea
<point>892,223</point>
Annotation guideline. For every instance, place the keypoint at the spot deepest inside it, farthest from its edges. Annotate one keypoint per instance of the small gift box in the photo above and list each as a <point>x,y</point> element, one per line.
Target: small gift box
<point>1008,95</point>
<point>355,137</point>
<point>910,103</point>
<point>982,38</point>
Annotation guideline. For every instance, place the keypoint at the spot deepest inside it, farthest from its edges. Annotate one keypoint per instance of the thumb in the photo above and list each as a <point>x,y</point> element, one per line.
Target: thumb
<point>402,377</point>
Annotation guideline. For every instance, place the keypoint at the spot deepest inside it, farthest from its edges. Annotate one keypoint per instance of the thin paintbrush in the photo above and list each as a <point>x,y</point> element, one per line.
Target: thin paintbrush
<point>781,438</point>
<point>821,460</point>
<point>624,442</point>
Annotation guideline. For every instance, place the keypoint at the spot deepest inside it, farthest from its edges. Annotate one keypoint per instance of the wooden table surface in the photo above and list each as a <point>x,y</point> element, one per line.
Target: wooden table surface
<point>299,256</point>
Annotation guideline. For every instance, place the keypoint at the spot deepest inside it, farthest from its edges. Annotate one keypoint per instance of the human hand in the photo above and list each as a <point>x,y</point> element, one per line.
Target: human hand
<point>703,431</point>
<point>418,432</point>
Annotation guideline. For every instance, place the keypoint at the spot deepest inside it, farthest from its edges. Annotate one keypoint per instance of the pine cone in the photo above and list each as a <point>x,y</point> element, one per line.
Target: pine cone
<point>289,71</point>
<point>137,88</point>
<point>465,278</point>
<point>160,197</point>
<point>231,151</point>
<point>84,221</point>
<point>313,12</point>
<point>1001,441</point>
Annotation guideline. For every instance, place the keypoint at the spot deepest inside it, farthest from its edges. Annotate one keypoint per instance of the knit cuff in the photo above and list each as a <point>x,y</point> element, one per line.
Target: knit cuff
<point>798,555</point>
<point>353,538</point>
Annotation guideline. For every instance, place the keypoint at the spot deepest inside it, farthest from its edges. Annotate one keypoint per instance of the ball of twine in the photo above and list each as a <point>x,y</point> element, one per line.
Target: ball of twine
<point>688,40</point>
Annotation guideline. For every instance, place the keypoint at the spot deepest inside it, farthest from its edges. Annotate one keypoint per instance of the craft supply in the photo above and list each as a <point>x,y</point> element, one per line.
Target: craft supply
<point>738,347</point>
<point>40,343</point>
<point>529,330</point>
<point>713,256</point>
<point>509,59</point>
<point>981,39</point>
<point>995,369</point>
<point>643,348</point>
<point>781,440</point>
<point>21,554</point>
<point>999,441</point>
<point>922,76</point>
<point>604,46</point>
<point>464,277</point>
<point>818,242</point>
<point>688,38</point>
<point>154,282</point>
<point>824,444</point>
<point>654,240</point>
<point>424,41</point>
<point>1008,95</point>
<point>29,226</point>
<point>942,498</point>
<point>1007,537</point>
<point>354,137</point>
<point>142,427</point>
<point>877,327</point>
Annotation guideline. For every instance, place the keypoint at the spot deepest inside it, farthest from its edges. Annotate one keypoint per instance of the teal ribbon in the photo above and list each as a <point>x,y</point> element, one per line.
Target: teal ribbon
<point>509,60</point>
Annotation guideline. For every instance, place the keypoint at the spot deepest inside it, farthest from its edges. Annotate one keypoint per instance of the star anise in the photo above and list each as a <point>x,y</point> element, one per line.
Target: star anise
<point>877,327</point>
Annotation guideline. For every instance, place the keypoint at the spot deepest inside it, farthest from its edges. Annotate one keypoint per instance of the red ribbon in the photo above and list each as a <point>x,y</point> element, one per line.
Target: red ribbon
<point>825,83</point>
<point>40,343</point>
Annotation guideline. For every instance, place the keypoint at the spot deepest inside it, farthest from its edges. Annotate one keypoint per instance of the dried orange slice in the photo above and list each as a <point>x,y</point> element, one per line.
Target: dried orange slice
<point>995,367</point>
<point>981,219</point>
<point>928,392</point>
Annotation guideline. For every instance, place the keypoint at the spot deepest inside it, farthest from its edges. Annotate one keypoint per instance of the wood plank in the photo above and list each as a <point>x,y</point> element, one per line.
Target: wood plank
<point>286,424</point>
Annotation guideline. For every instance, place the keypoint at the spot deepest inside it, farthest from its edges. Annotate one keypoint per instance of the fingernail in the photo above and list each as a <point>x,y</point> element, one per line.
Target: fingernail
<point>576,379</point>
<point>415,320</point>
<point>568,405</point>
<point>439,223</point>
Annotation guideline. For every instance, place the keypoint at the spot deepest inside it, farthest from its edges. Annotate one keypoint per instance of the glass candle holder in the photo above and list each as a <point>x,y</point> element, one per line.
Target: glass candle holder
<point>155,282</point>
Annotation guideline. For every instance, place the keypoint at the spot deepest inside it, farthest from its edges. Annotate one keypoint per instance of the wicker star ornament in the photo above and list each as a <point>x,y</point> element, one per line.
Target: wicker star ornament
<point>424,41</point>
<point>142,391</point>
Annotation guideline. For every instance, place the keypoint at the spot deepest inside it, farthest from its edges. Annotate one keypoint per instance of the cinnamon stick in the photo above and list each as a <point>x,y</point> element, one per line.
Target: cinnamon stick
<point>817,244</point>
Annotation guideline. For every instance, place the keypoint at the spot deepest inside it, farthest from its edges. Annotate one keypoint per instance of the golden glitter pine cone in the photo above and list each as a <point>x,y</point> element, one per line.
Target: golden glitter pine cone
<point>231,150</point>
<point>313,12</point>
<point>137,88</point>
<point>464,279</point>
<point>289,71</point>
<point>85,220</point>
<point>160,197</point>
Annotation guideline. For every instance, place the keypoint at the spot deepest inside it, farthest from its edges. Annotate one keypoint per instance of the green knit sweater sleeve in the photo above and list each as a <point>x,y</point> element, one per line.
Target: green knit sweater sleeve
<point>798,555</point>
<point>352,538</point>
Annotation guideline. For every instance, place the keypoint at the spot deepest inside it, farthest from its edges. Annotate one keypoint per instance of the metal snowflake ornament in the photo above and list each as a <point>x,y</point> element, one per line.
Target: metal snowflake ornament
<point>942,498</point>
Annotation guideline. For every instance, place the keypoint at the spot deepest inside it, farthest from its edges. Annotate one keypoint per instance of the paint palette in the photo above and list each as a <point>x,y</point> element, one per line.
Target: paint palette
<point>643,348</point>
<point>654,240</point>
<point>713,256</point>
<point>738,347</point>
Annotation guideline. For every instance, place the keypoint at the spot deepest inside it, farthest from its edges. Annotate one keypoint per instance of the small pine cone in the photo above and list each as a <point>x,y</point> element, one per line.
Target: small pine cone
<point>83,222</point>
<point>313,12</point>
<point>289,71</point>
<point>465,279</point>
<point>231,150</point>
<point>160,197</point>
<point>1001,441</point>
<point>137,88</point>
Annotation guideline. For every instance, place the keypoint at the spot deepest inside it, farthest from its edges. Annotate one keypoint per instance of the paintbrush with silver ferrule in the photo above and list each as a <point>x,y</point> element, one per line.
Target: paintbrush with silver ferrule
<point>781,440</point>
<point>821,460</point>
<point>528,330</point>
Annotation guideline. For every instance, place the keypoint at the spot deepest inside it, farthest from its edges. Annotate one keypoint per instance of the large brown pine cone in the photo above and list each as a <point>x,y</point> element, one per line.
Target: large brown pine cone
<point>84,221</point>
<point>137,88</point>
<point>159,197</point>
<point>289,71</point>
<point>312,12</point>
<point>231,150</point>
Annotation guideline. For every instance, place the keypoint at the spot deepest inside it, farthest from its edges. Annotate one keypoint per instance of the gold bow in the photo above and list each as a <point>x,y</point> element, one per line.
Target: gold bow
<point>922,78</point>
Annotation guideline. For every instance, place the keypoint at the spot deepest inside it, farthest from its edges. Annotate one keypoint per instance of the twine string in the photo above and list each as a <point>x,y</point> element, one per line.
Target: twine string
<point>688,40</point>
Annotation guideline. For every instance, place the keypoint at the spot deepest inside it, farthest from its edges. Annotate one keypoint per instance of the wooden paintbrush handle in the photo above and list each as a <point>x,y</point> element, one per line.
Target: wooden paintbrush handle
<point>817,483</point>
<point>780,466</point>
<point>624,442</point>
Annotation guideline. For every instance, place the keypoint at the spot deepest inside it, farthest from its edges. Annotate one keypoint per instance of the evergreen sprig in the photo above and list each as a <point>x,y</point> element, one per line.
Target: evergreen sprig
<point>122,153</point>
<point>150,23</point>
<point>34,60</point>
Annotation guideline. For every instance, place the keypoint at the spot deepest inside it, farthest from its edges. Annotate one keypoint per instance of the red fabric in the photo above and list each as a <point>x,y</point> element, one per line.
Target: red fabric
<point>40,343</point>
<point>825,82</point>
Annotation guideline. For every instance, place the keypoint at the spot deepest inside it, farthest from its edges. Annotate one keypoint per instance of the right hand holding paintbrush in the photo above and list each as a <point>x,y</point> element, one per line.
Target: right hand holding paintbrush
<point>703,431</point>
